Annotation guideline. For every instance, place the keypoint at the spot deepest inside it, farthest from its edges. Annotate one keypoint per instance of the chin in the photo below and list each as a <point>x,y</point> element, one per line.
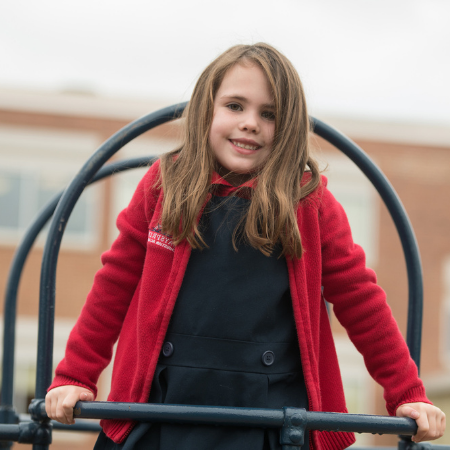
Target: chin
<point>242,170</point>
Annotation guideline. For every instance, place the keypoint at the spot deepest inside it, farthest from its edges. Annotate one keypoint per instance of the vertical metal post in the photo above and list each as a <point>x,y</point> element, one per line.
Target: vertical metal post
<point>7,412</point>
<point>60,217</point>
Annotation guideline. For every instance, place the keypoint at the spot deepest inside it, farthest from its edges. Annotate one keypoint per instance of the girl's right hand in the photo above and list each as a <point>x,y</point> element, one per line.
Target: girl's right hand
<point>60,401</point>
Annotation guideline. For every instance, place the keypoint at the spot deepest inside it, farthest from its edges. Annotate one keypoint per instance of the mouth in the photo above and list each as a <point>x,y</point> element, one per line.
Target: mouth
<point>246,145</point>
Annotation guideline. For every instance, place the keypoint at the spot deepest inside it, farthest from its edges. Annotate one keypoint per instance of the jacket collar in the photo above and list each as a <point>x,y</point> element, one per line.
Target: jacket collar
<point>224,188</point>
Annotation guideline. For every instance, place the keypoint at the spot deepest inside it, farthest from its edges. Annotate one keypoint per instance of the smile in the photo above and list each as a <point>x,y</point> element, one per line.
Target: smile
<point>245,146</point>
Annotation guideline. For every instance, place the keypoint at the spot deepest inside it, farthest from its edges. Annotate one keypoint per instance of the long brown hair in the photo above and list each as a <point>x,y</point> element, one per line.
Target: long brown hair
<point>186,172</point>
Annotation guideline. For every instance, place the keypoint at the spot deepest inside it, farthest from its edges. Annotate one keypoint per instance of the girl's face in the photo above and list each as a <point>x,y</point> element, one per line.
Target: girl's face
<point>243,124</point>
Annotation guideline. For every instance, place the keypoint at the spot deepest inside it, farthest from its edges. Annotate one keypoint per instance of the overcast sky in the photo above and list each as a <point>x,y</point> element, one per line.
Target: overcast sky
<point>376,58</point>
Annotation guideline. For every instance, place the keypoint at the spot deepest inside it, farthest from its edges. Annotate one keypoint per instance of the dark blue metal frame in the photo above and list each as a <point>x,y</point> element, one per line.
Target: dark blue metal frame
<point>292,421</point>
<point>58,225</point>
<point>7,413</point>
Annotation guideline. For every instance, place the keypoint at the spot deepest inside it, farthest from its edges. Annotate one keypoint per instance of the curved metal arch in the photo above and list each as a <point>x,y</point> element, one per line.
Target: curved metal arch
<point>15,273</point>
<point>402,224</point>
<point>125,135</point>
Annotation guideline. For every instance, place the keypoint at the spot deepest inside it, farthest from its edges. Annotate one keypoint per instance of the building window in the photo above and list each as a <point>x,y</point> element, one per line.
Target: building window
<point>24,193</point>
<point>36,165</point>
<point>359,200</point>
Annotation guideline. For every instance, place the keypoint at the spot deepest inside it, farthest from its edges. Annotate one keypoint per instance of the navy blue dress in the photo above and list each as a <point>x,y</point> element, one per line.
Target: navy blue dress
<point>231,342</point>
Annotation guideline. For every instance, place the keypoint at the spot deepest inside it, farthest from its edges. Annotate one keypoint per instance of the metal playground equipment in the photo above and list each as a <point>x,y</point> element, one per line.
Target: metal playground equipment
<point>36,429</point>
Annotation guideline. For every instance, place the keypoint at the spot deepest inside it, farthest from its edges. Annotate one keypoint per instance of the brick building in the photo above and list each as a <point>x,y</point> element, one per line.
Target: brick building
<point>46,137</point>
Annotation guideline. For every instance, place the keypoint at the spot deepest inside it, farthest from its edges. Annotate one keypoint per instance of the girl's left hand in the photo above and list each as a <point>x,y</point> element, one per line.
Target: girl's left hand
<point>430,420</point>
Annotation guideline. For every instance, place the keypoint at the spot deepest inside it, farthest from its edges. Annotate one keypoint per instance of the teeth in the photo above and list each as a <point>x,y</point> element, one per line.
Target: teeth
<point>247,147</point>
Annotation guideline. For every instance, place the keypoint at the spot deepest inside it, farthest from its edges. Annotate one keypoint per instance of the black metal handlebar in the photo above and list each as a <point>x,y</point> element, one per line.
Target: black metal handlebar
<point>246,417</point>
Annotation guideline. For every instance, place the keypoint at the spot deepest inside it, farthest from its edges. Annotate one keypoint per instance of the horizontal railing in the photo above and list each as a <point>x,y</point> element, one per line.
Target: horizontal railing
<point>246,417</point>
<point>292,422</point>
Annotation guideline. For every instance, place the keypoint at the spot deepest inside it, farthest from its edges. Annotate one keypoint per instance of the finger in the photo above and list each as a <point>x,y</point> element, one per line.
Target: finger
<point>407,411</point>
<point>432,432</point>
<point>440,424</point>
<point>54,405</point>
<point>67,407</point>
<point>443,424</point>
<point>61,408</point>
<point>58,411</point>
<point>423,428</point>
<point>48,405</point>
<point>87,397</point>
<point>437,431</point>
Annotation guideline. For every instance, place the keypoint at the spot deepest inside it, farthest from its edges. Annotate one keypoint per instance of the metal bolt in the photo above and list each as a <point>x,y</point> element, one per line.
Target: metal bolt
<point>295,436</point>
<point>296,420</point>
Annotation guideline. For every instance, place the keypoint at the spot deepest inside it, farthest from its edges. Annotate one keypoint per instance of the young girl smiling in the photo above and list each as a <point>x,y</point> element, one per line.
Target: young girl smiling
<point>214,284</point>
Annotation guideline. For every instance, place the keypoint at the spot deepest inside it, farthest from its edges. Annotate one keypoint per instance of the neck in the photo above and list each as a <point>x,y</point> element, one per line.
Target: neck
<point>236,179</point>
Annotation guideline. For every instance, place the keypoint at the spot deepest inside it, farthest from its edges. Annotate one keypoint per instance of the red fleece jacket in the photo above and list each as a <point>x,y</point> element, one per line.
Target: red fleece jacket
<point>134,294</point>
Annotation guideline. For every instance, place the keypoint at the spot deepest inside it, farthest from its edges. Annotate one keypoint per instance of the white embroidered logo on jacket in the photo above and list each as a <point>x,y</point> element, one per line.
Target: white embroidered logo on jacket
<point>157,237</point>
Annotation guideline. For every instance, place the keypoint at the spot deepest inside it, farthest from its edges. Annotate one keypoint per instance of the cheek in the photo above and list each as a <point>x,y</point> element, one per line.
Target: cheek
<point>218,125</point>
<point>218,132</point>
<point>270,133</point>
<point>215,141</point>
<point>213,137</point>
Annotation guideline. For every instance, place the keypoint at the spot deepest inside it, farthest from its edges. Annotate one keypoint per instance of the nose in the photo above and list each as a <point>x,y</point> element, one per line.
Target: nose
<point>250,122</point>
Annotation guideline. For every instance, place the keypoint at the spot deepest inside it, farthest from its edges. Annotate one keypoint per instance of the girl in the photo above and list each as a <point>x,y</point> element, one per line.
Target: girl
<point>214,283</point>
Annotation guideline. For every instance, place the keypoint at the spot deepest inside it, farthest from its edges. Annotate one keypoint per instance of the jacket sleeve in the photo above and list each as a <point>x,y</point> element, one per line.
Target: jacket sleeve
<point>90,344</point>
<point>360,306</point>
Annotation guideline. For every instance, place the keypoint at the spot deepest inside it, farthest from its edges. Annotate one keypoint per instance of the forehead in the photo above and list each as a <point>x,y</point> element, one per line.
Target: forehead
<point>246,80</point>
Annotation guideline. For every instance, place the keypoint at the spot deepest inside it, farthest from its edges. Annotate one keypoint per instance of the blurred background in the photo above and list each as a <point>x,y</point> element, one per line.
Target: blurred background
<point>73,73</point>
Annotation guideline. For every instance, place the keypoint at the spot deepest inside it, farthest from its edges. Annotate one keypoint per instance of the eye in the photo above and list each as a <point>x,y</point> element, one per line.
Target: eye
<point>234,107</point>
<point>268,115</point>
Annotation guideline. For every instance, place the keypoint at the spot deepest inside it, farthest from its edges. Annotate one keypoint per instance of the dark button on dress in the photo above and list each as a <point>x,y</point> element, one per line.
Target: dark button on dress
<point>231,342</point>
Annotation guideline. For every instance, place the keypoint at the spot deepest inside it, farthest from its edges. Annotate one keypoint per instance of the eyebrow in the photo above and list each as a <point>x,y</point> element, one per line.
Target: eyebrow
<point>244,99</point>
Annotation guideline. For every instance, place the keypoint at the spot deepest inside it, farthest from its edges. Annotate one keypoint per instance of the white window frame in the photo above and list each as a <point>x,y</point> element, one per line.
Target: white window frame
<point>34,153</point>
